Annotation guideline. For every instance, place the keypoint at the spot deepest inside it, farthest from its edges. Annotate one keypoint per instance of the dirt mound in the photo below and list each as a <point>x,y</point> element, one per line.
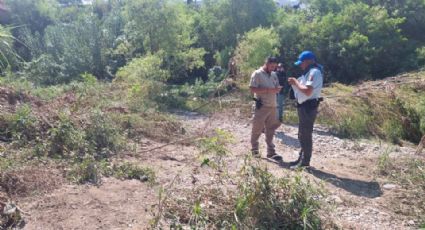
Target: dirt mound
<point>30,181</point>
<point>10,99</point>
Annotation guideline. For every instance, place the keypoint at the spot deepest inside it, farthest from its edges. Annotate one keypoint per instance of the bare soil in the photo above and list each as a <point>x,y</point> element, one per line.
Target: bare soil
<point>359,197</point>
<point>345,167</point>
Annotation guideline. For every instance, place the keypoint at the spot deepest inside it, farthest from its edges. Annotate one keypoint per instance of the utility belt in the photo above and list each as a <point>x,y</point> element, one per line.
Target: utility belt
<point>310,103</point>
<point>258,103</point>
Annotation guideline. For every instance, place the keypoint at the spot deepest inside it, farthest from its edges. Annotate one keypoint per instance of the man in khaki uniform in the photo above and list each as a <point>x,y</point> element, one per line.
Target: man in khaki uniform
<point>265,85</point>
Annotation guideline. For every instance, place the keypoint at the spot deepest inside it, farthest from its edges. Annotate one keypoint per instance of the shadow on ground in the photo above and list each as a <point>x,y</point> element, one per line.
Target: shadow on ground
<point>288,140</point>
<point>369,189</point>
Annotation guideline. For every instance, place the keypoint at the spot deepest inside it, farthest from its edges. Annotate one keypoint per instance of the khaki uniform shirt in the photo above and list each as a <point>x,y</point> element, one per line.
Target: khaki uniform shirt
<point>261,79</point>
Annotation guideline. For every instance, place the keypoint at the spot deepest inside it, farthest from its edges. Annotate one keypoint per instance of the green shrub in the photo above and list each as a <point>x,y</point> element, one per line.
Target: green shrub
<point>290,116</point>
<point>141,97</point>
<point>385,164</point>
<point>391,115</point>
<point>158,126</point>
<point>67,140</point>
<point>255,46</point>
<point>217,143</point>
<point>420,52</point>
<point>422,225</point>
<point>393,130</point>
<point>142,69</point>
<point>214,148</point>
<point>86,171</point>
<point>412,128</point>
<point>48,93</point>
<point>413,174</point>
<point>5,163</point>
<point>129,170</point>
<point>352,126</point>
<point>260,201</point>
<point>89,79</point>
<point>265,202</point>
<point>22,125</point>
<point>104,135</point>
<point>206,89</point>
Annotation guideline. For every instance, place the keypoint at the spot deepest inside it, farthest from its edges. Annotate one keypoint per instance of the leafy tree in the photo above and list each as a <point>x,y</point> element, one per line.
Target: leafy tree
<point>146,68</point>
<point>70,2</point>
<point>8,56</point>
<point>255,47</point>
<point>220,23</point>
<point>361,39</point>
<point>356,43</point>
<point>412,10</point>
<point>289,27</point>
<point>324,7</point>
<point>29,19</point>
<point>68,48</point>
<point>166,27</point>
<point>34,14</point>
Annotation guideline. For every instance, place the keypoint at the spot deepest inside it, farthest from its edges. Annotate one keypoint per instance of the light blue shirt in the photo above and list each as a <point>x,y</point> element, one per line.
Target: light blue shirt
<point>313,78</point>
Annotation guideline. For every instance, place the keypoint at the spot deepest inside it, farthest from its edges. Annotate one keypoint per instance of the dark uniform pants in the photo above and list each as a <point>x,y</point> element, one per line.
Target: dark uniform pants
<point>307,113</point>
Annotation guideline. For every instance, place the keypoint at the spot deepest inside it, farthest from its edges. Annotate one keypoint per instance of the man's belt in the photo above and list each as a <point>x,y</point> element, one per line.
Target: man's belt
<point>311,102</point>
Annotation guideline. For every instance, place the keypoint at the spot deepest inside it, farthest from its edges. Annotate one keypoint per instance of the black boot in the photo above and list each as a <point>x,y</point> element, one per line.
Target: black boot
<point>300,163</point>
<point>300,158</point>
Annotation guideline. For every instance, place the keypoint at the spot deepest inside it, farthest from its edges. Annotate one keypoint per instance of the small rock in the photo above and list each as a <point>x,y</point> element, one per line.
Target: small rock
<point>9,209</point>
<point>336,199</point>
<point>389,186</point>
<point>144,178</point>
<point>411,222</point>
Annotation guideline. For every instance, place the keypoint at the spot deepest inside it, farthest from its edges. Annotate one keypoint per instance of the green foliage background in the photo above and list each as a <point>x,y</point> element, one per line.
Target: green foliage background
<point>58,40</point>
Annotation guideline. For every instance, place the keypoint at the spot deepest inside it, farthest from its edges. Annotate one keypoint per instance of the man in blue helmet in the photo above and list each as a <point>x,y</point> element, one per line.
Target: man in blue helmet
<point>307,90</point>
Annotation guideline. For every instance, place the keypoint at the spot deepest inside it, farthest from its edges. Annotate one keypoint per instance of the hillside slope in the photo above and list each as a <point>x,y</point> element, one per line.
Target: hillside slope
<point>364,183</point>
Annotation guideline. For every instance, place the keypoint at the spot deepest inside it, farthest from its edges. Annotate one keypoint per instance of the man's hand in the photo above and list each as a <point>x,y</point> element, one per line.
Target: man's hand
<point>292,81</point>
<point>275,90</point>
<point>307,90</point>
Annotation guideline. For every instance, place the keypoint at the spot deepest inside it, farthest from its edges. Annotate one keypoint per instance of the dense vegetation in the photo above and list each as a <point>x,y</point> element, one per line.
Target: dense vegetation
<point>53,42</point>
<point>82,85</point>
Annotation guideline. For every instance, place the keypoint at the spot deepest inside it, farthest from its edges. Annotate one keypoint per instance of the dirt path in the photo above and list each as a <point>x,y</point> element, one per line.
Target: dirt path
<point>345,167</point>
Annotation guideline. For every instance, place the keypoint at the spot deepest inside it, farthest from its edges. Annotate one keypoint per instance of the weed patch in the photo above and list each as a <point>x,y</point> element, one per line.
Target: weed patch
<point>104,135</point>
<point>90,171</point>
<point>66,140</point>
<point>23,125</point>
<point>259,201</point>
<point>410,175</point>
<point>130,171</point>
<point>156,126</point>
<point>214,148</point>
<point>389,112</point>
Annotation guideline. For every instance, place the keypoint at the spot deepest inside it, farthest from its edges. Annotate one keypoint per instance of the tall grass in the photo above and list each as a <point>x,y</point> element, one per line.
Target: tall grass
<point>395,115</point>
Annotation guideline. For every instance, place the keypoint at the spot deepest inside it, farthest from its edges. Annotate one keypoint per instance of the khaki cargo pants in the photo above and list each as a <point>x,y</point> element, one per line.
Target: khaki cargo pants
<point>264,118</point>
